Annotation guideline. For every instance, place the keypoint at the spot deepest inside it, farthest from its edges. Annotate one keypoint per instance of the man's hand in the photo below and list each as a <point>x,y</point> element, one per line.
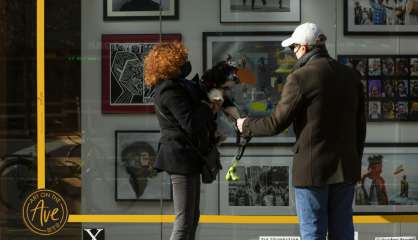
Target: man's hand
<point>240,122</point>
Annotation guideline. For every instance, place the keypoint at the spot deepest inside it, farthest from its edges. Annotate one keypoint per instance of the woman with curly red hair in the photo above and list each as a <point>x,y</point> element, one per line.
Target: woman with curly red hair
<point>164,62</point>
<point>179,104</point>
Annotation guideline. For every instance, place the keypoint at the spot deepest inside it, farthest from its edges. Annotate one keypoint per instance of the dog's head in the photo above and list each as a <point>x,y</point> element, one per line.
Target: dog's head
<point>222,75</point>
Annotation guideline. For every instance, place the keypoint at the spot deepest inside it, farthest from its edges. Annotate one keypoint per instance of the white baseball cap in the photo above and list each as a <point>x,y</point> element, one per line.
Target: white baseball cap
<point>304,34</point>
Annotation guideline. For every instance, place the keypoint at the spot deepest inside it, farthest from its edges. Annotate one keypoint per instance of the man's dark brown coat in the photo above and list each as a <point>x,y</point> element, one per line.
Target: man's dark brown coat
<point>324,100</point>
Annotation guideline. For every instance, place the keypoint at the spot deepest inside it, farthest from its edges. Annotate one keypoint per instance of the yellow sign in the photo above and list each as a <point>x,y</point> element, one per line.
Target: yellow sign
<point>45,212</point>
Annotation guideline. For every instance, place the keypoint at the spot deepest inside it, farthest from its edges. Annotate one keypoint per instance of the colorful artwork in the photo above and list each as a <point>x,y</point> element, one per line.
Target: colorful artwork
<point>389,181</point>
<point>378,17</point>
<point>375,88</point>
<point>391,88</point>
<point>263,65</point>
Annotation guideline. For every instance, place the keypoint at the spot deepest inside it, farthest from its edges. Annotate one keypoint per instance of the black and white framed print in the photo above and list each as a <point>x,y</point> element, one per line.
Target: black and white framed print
<point>380,17</point>
<point>140,9</point>
<point>123,88</point>
<point>264,186</point>
<point>135,177</point>
<point>260,11</point>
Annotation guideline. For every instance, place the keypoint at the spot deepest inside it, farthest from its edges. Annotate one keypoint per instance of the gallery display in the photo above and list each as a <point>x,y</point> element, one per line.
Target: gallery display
<point>123,88</point>
<point>388,182</point>
<point>135,177</point>
<point>263,65</point>
<point>390,84</point>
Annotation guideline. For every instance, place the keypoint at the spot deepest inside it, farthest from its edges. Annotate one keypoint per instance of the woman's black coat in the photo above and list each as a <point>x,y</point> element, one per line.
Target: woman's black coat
<point>181,102</point>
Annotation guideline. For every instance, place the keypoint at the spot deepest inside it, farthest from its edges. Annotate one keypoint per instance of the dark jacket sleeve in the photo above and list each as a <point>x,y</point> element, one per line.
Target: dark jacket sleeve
<point>283,114</point>
<point>361,121</point>
<point>192,116</point>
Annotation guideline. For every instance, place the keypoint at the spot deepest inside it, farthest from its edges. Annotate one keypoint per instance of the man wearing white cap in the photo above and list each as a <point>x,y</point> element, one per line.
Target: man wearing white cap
<point>324,100</point>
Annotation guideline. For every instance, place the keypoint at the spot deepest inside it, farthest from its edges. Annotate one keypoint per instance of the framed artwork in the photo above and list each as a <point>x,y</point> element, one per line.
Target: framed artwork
<point>379,17</point>
<point>414,67</point>
<point>259,11</point>
<point>390,83</point>
<point>140,9</point>
<point>135,178</point>
<point>264,186</point>
<point>389,181</point>
<point>263,65</point>
<point>123,88</point>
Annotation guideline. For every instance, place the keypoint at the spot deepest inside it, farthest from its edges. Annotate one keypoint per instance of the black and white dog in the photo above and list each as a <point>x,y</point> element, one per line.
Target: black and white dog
<point>217,81</point>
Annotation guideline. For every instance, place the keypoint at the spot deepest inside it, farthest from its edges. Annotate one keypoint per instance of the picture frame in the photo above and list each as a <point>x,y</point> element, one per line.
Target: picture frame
<point>135,179</point>
<point>390,83</point>
<point>365,17</point>
<point>242,11</point>
<point>395,194</point>
<point>396,160</point>
<point>123,88</point>
<point>263,65</point>
<point>128,10</point>
<point>264,187</point>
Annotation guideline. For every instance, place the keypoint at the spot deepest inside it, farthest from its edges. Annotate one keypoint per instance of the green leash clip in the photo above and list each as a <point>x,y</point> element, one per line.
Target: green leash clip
<point>231,175</point>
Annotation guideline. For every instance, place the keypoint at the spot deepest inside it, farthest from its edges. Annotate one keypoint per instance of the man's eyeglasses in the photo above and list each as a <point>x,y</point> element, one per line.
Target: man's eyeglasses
<point>293,46</point>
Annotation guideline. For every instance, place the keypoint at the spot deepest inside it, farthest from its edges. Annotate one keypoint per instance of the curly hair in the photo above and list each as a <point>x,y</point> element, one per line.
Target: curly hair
<point>163,62</point>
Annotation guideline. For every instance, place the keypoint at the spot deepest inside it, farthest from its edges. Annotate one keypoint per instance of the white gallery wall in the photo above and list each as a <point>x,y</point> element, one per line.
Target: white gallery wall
<point>195,17</point>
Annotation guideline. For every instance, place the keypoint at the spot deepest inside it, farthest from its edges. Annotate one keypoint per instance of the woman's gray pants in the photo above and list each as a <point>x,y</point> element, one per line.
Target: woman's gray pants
<point>186,197</point>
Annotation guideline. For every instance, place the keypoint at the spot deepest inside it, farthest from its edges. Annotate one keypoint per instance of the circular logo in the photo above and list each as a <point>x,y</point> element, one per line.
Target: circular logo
<point>45,212</point>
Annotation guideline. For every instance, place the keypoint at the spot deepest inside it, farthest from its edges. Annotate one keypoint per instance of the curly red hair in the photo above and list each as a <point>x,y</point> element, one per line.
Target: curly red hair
<point>163,62</point>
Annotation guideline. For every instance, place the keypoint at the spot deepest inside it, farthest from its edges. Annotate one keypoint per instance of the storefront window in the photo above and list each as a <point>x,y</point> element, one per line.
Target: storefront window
<point>102,134</point>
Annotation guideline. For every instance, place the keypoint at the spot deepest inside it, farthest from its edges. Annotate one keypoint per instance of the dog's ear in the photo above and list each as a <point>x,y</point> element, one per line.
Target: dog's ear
<point>221,72</point>
<point>221,66</point>
<point>208,79</point>
<point>217,75</point>
<point>196,78</point>
<point>226,68</point>
<point>230,69</point>
<point>220,76</point>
